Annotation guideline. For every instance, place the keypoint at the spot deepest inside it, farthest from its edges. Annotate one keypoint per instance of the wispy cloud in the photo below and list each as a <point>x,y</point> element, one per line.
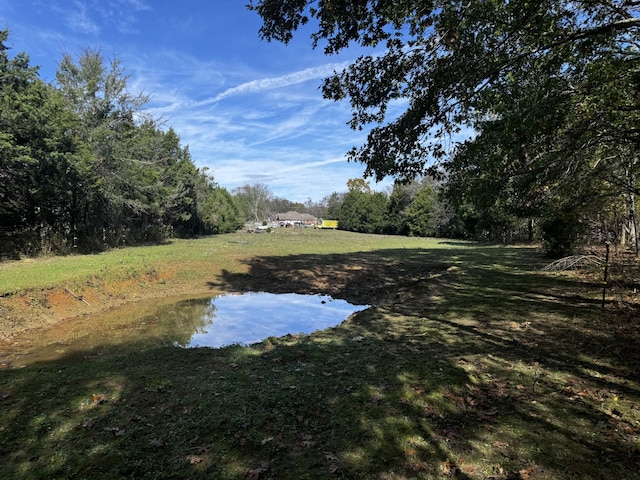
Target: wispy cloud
<point>276,130</point>
<point>90,17</point>
<point>293,141</point>
<point>261,85</point>
<point>249,111</point>
<point>294,176</point>
<point>293,127</point>
<point>121,13</point>
<point>79,20</point>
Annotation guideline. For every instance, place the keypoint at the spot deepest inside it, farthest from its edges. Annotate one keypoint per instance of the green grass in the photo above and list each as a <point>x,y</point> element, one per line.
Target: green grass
<point>471,365</point>
<point>184,255</point>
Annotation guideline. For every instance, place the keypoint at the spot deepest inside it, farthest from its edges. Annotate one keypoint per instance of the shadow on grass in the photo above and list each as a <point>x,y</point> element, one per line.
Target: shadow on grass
<point>470,365</point>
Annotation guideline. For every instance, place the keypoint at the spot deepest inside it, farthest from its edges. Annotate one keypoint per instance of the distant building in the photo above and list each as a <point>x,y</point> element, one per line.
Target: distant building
<point>290,219</point>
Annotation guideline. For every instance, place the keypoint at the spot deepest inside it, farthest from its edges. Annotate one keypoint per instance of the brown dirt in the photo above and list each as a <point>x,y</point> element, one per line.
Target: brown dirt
<point>39,309</point>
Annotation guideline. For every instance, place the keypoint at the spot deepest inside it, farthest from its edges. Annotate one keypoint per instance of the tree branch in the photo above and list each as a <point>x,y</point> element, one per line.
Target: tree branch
<point>616,26</point>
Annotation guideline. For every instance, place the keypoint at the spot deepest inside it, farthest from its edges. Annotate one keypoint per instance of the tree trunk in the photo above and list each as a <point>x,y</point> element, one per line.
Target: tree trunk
<point>633,223</point>
<point>633,220</point>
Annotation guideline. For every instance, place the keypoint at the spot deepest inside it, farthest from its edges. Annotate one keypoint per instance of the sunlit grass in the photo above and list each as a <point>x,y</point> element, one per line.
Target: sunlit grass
<point>188,256</point>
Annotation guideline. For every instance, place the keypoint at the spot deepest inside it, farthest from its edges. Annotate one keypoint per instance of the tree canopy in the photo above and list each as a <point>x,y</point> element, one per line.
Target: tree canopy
<point>526,108</point>
<point>83,168</point>
<point>446,62</point>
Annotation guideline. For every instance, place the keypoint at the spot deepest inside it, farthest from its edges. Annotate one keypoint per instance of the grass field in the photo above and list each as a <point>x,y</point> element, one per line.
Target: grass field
<point>472,364</point>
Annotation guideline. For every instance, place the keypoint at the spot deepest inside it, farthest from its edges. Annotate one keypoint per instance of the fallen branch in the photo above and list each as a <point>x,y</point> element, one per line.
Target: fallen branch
<point>574,261</point>
<point>77,297</point>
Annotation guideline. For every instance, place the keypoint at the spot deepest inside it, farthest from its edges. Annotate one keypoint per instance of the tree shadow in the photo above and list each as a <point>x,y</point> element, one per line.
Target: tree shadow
<point>469,365</point>
<point>541,339</point>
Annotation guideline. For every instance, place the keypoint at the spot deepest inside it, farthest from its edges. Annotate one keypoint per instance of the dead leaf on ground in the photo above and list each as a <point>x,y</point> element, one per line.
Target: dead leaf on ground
<point>526,473</point>
<point>118,432</point>
<point>98,399</point>
<point>156,442</point>
<point>256,473</point>
<point>448,468</point>
<point>430,411</point>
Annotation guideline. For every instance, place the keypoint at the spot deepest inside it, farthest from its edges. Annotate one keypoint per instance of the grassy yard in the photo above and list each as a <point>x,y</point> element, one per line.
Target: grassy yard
<point>471,364</point>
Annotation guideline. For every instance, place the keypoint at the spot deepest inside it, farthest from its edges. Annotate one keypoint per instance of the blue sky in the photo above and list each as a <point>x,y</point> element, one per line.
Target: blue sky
<point>249,110</point>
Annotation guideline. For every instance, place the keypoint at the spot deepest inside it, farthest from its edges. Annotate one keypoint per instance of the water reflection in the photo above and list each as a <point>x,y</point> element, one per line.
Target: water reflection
<point>252,317</point>
<point>195,322</point>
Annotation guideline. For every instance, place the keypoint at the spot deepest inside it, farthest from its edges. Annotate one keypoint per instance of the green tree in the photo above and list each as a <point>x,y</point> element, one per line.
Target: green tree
<point>165,183</point>
<point>362,210</point>
<point>401,197</point>
<point>282,205</point>
<point>38,159</point>
<point>227,217</point>
<point>570,143</point>
<point>332,204</point>
<point>81,166</point>
<point>442,58</point>
<point>420,214</point>
<point>549,87</point>
<point>113,196</point>
<point>220,212</point>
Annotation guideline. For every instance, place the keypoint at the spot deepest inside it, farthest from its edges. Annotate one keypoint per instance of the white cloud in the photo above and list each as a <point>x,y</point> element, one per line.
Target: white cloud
<point>87,17</point>
<point>276,130</point>
<point>261,85</point>
<point>249,111</point>
<point>79,20</point>
<point>138,5</point>
<point>295,180</point>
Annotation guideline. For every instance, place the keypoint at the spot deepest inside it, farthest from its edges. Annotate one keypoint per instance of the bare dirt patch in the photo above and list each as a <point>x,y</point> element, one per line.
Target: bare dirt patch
<point>34,309</point>
<point>367,277</point>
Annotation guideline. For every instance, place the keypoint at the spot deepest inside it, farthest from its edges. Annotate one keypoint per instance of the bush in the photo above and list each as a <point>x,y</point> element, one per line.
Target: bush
<point>561,235</point>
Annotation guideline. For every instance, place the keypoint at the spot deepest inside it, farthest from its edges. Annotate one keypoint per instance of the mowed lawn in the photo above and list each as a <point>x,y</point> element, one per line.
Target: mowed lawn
<point>471,363</point>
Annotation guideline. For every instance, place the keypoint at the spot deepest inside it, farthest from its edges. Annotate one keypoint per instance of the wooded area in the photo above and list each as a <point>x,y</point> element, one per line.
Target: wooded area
<point>82,168</point>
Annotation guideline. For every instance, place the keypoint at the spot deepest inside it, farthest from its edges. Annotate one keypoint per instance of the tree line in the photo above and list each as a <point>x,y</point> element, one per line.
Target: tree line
<point>549,89</point>
<point>421,207</point>
<point>418,208</point>
<point>83,168</point>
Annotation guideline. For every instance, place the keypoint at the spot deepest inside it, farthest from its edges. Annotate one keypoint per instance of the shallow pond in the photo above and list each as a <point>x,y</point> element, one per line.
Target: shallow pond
<point>194,322</point>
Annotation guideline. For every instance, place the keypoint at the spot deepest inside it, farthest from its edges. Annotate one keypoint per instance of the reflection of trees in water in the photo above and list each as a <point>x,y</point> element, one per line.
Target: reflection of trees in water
<point>171,324</point>
<point>178,322</point>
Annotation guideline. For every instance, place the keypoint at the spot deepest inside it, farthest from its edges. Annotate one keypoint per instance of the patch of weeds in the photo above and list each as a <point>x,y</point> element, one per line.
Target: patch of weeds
<point>94,281</point>
<point>159,385</point>
<point>39,301</point>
